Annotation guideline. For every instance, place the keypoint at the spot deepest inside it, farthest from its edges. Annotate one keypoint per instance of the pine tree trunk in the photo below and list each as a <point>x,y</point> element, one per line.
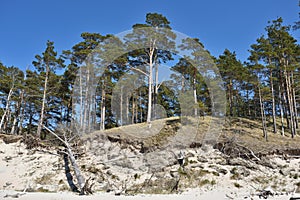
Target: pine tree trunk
<point>195,95</point>
<point>141,107</point>
<point>17,114</point>
<point>121,106</point>
<point>81,97</point>
<point>289,102</point>
<point>230,99</point>
<point>136,109</point>
<point>262,111</point>
<point>281,110</point>
<point>294,101</point>
<point>102,121</point>
<point>127,110</point>
<point>41,121</point>
<point>20,126</point>
<point>30,119</point>
<point>150,80</point>
<point>86,109</point>
<point>133,109</point>
<point>6,110</point>
<point>156,89</point>
<point>273,103</point>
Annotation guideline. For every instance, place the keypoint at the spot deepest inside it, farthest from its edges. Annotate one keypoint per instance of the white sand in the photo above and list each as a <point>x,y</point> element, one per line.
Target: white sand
<point>191,195</point>
<point>19,171</point>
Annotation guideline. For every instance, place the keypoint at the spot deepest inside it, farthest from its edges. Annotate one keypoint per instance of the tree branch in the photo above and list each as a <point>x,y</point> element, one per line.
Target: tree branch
<point>138,70</point>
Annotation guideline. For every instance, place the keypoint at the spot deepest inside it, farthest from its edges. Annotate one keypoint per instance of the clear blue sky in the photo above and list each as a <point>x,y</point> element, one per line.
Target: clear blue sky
<point>26,25</point>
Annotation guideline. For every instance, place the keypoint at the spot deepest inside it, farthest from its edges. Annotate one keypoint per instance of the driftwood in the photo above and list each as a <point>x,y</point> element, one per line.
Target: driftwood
<point>68,174</point>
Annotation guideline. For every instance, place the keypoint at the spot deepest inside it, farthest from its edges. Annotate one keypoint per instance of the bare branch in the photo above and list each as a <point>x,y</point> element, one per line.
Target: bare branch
<point>141,71</point>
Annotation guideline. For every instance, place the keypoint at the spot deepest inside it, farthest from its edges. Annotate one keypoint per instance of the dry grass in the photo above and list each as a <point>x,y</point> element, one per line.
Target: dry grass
<point>249,133</point>
<point>186,130</point>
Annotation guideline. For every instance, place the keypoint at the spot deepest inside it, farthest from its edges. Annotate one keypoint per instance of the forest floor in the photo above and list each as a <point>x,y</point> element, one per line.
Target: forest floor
<point>127,163</point>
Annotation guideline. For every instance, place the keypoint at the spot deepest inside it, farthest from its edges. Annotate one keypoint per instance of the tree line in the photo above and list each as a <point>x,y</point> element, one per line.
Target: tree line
<point>265,88</point>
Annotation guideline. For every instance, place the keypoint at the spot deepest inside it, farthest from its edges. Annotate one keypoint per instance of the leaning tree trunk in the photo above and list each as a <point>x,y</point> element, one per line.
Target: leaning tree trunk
<point>79,177</point>
<point>77,171</point>
<point>69,176</point>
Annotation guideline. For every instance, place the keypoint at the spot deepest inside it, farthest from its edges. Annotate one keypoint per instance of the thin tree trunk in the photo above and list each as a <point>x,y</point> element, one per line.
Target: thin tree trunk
<point>156,89</point>
<point>30,118</point>
<point>41,121</point>
<point>262,111</point>
<point>17,115</point>
<point>86,102</point>
<point>127,109</point>
<point>136,108</point>
<point>102,121</point>
<point>6,109</point>
<point>230,99</point>
<point>281,110</point>
<point>121,106</point>
<point>273,103</point>
<point>248,103</point>
<point>182,83</point>
<point>150,80</point>
<point>289,102</point>
<point>20,126</point>
<point>294,101</point>
<point>70,112</point>
<point>133,110</point>
<point>81,97</point>
<point>285,107</point>
<point>195,95</point>
<point>141,107</point>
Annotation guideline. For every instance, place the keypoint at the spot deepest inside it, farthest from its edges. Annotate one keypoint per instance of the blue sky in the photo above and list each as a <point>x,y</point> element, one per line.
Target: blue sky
<point>219,24</point>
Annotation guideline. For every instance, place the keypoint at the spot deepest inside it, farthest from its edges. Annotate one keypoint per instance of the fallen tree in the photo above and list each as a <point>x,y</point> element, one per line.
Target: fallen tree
<point>84,186</point>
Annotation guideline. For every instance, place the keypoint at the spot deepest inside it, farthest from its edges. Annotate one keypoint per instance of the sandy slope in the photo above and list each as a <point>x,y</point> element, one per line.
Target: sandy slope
<point>26,169</point>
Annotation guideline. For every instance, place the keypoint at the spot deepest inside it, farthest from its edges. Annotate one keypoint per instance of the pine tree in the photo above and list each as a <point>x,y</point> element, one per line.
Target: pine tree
<point>46,65</point>
<point>157,42</point>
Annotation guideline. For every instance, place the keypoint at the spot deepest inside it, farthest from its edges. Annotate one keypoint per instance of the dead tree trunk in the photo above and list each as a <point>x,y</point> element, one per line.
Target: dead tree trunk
<point>77,171</point>
<point>68,173</point>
